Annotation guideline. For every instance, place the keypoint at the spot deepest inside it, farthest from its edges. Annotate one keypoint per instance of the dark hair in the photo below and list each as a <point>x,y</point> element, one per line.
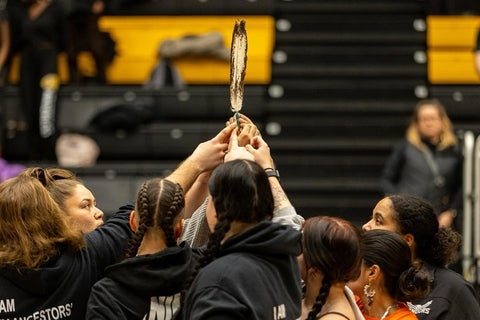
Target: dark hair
<point>332,245</point>
<point>240,191</point>
<point>159,203</point>
<point>416,216</point>
<point>387,249</point>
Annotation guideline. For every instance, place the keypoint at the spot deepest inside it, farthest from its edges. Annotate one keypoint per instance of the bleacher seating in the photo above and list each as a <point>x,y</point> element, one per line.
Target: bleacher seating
<point>139,37</point>
<point>344,82</point>
<point>177,120</point>
<point>450,43</point>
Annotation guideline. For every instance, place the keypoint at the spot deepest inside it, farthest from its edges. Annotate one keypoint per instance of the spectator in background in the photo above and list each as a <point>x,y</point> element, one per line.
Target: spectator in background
<point>428,163</point>
<point>7,170</point>
<point>83,34</point>
<point>4,41</point>
<point>38,32</point>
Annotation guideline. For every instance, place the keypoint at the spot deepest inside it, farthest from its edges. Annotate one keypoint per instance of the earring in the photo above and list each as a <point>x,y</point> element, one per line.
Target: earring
<point>369,293</point>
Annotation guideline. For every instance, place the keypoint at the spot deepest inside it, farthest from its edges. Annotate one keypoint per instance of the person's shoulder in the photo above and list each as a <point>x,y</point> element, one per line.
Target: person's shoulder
<point>401,145</point>
<point>451,282</point>
<point>237,268</point>
<point>443,273</point>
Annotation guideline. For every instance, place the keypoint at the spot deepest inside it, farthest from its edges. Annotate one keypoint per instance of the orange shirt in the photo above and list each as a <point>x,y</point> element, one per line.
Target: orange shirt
<point>403,313</point>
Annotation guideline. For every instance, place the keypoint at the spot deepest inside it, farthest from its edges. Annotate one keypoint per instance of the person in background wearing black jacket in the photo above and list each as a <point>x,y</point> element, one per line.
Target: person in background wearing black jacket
<point>83,34</point>
<point>428,163</point>
<point>451,296</point>
<point>4,41</point>
<point>37,34</point>
<point>48,268</point>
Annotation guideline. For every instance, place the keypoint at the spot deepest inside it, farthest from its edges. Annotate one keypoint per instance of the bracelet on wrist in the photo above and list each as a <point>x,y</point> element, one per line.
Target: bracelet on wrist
<point>272,173</point>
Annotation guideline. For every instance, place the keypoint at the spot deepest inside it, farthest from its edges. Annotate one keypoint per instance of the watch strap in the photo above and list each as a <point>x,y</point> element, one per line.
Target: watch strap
<point>272,173</point>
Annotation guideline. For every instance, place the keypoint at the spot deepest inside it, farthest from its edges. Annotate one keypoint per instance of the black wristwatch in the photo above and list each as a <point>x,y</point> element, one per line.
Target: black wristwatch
<point>272,173</point>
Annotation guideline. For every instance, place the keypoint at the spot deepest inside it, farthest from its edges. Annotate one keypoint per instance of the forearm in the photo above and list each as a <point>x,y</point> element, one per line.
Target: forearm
<point>284,212</point>
<point>279,196</point>
<point>185,174</point>
<point>196,195</point>
<point>204,158</point>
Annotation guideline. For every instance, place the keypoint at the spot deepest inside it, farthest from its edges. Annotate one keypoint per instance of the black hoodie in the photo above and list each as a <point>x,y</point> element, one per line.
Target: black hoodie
<point>256,276</point>
<point>142,287</point>
<point>59,289</point>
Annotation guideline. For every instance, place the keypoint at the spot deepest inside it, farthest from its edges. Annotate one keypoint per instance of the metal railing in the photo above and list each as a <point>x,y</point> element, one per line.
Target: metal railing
<point>471,208</point>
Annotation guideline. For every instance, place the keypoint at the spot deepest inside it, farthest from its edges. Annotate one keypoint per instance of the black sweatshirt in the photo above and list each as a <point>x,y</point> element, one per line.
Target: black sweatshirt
<point>255,276</point>
<point>60,288</point>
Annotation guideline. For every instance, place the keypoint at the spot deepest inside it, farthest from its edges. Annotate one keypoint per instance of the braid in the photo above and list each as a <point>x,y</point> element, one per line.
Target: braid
<point>145,222</point>
<point>211,250</point>
<point>166,224</point>
<point>321,298</point>
<point>213,245</point>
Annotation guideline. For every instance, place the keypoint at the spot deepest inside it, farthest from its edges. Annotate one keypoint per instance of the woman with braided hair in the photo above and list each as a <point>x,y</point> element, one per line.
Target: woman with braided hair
<point>249,268</point>
<point>148,282</point>
<point>331,257</point>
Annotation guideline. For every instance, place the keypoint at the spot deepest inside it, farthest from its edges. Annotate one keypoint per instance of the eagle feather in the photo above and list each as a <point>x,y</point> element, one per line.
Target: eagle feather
<point>238,65</point>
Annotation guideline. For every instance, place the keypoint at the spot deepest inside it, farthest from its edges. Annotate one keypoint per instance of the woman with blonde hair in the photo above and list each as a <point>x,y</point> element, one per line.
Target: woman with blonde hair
<point>428,163</point>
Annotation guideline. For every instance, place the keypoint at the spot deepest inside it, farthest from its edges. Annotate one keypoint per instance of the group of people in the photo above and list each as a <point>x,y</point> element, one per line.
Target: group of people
<point>219,239</point>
